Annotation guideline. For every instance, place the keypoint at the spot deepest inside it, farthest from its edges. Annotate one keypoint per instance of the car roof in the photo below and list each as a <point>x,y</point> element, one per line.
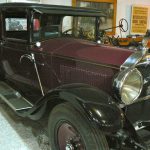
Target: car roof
<point>55,9</point>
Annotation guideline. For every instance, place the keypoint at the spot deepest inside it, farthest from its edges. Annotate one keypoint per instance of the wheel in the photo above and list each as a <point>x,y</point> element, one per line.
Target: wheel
<point>69,130</point>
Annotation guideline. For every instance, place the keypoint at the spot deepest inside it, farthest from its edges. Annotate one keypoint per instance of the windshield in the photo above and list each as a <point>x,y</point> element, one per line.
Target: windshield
<point>48,26</point>
<point>79,27</point>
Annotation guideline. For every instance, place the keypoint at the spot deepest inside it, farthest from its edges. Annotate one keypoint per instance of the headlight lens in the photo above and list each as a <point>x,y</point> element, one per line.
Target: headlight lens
<point>145,42</point>
<point>131,86</point>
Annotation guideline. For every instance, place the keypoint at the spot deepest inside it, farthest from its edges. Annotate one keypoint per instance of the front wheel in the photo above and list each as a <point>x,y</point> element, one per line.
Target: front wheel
<point>69,130</point>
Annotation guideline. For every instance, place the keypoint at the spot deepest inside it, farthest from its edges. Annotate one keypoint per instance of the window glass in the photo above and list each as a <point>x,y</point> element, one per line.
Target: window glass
<point>46,27</point>
<point>79,27</point>
<point>107,8</point>
<point>15,25</point>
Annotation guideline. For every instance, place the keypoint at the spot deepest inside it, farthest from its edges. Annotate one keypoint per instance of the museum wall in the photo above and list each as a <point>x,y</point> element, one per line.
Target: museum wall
<point>27,1</point>
<point>2,1</point>
<point>58,2</point>
<point>123,9</point>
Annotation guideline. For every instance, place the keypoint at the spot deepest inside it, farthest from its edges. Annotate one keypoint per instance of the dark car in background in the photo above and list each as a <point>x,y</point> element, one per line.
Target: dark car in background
<point>97,96</point>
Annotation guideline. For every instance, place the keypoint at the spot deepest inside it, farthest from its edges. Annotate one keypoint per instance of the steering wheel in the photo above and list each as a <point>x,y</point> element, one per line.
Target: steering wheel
<point>79,30</point>
<point>66,31</point>
<point>71,29</point>
<point>123,22</point>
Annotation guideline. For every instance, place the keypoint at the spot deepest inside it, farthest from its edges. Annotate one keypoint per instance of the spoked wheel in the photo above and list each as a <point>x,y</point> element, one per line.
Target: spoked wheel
<point>69,130</point>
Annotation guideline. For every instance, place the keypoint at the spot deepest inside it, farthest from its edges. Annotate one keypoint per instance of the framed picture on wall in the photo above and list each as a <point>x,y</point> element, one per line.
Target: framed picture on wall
<point>108,7</point>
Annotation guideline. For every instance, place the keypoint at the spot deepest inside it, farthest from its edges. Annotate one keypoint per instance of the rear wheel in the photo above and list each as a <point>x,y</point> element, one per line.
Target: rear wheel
<point>69,130</point>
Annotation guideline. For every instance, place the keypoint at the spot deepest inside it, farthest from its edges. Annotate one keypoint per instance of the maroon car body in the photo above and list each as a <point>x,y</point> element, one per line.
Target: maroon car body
<point>77,61</point>
<point>51,60</point>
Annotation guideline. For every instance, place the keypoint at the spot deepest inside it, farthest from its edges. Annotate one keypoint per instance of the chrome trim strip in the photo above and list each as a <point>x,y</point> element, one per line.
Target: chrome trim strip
<point>12,106</point>
<point>36,69</point>
<point>137,128</point>
<point>141,87</point>
<point>133,60</point>
<point>119,81</point>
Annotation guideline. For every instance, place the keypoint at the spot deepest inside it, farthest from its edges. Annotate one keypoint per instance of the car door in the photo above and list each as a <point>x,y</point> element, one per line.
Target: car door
<point>19,67</point>
<point>17,60</point>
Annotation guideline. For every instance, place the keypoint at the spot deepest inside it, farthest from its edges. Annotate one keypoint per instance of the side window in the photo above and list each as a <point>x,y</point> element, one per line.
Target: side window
<point>67,24</point>
<point>46,27</point>
<point>15,25</point>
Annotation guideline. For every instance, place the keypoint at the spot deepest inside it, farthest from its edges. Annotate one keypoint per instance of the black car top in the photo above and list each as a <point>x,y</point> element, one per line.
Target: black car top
<point>55,9</point>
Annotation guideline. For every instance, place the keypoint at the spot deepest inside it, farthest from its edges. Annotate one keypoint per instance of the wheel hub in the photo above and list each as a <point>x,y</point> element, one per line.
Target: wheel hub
<point>71,138</point>
<point>73,143</point>
<point>69,147</point>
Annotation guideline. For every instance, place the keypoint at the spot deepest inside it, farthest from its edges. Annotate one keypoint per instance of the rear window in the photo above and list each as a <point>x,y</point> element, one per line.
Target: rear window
<point>15,25</point>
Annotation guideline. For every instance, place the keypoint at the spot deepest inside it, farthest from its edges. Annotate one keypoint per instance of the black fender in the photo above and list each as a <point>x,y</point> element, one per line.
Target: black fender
<point>96,105</point>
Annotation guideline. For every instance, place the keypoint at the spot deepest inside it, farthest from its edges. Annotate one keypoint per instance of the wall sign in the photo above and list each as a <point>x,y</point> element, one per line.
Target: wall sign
<point>139,20</point>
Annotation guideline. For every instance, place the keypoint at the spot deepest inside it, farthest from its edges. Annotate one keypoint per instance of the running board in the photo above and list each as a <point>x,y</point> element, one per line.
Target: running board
<point>13,98</point>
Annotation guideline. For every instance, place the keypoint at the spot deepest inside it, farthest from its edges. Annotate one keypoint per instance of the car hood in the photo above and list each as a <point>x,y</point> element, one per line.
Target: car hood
<point>85,50</point>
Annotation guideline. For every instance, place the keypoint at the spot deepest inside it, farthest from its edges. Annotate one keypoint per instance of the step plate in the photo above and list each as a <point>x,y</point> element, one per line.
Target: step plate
<point>13,98</point>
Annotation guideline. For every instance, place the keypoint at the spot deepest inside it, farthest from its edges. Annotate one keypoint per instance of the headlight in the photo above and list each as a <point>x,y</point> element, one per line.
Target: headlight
<point>145,42</point>
<point>129,84</point>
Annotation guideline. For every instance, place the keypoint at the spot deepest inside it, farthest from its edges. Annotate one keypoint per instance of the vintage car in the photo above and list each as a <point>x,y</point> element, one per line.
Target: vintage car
<point>97,96</point>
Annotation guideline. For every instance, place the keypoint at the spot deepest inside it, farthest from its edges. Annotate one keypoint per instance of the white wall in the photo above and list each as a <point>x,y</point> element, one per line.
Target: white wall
<point>58,2</point>
<point>124,11</point>
<point>2,1</point>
